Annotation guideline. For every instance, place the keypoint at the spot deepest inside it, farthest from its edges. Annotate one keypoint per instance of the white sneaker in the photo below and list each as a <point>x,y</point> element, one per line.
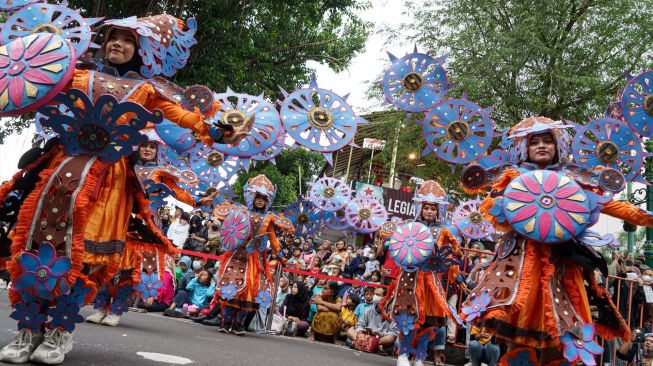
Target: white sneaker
<point>22,347</point>
<point>418,363</point>
<point>111,320</point>
<point>97,317</point>
<point>402,360</point>
<point>54,347</point>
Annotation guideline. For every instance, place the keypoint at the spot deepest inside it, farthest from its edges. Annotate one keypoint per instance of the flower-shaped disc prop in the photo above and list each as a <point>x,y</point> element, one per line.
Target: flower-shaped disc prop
<point>65,315</point>
<point>329,194</point>
<point>179,138</point>
<point>405,323</point>
<point>264,299</point>
<point>410,245</point>
<point>8,5</point>
<point>415,82</point>
<point>51,18</point>
<point>29,316</point>
<point>236,110</point>
<point>273,151</point>
<point>469,220</point>
<point>365,214</point>
<point>228,291</point>
<point>580,344</point>
<point>441,260</point>
<point>319,119</point>
<point>637,103</point>
<point>108,129</point>
<point>476,305</point>
<point>458,130</point>
<point>335,220</point>
<point>42,271</point>
<point>211,165</point>
<point>610,143</point>
<point>305,217</point>
<point>235,229</point>
<point>34,69</point>
<point>149,286</point>
<point>546,206</point>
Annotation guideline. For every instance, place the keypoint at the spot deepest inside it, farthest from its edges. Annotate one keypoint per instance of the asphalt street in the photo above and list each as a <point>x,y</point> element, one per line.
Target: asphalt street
<point>146,339</point>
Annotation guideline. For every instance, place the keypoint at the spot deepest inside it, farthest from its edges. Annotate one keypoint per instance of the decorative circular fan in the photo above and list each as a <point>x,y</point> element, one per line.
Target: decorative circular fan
<point>469,220</point>
<point>637,103</point>
<point>274,150</point>
<point>410,245</point>
<point>211,166</point>
<point>9,5</point>
<point>546,206</point>
<point>54,19</point>
<point>235,229</point>
<point>335,220</point>
<point>236,110</point>
<point>329,194</point>
<point>365,215</point>
<point>319,119</point>
<point>415,82</point>
<point>458,130</point>
<point>610,143</point>
<point>304,216</point>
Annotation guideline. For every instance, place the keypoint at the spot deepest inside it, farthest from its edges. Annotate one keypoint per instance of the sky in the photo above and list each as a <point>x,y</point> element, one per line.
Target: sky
<point>355,80</point>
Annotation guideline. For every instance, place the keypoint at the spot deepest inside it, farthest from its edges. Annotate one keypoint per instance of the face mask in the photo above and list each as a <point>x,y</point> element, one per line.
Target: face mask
<point>485,263</point>
<point>631,275</point>
<point>647,279</point>
<point>340,283</point>
<point>376,299</point>
<point>372,257</point>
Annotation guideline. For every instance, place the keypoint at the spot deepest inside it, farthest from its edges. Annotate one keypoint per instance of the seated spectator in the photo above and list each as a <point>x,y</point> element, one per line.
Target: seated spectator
<point>356,265</point>
<point>368,302</point>
<point>296,307</point>
<point>178,230</point>
<point>325,251</point>
<point>315,292</point>
<point>325,324</point>
<point>196,268</point>
<point>316,265</point>
<point>308,252</point>
<point>371,322</point>
<point>165,293</point>
<point>482,349</point>
<point>282,292</point>
<point>371,266</point>
<point>183,267</point>
<point>199,293</point>
<point>375,278</point>
<point>296,260</point>
<point>347,317</point>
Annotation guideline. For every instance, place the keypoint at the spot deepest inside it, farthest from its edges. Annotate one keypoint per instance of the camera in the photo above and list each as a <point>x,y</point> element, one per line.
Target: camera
<point>638,336</point>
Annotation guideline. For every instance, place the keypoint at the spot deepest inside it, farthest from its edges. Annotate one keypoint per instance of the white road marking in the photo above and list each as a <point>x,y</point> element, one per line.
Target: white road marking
<point>160,357</point>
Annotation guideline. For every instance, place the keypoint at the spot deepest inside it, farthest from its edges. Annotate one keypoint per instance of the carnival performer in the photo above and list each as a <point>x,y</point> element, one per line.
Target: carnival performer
<point>540,295</point>
<point>72,223</point>
<point>244,281</point>
<point>416,299</point>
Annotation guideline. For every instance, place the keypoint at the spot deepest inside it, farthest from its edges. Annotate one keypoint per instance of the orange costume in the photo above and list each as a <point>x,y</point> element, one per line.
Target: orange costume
<point>540,294</point>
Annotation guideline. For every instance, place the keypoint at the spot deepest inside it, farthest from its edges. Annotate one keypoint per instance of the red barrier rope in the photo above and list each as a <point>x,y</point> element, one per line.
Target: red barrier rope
<point>203,255</point>
<point>319,275</point>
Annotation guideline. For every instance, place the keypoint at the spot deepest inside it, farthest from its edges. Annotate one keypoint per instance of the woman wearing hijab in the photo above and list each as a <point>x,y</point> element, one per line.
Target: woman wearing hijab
<point>297,306</point>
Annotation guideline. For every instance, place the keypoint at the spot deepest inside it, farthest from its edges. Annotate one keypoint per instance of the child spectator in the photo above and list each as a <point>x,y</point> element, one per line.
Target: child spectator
<point>296,260</point>
<point>371,265</point>
<point>347,317</point>
<point>316,265</point>
<point>325,324</point>
<point>368,302</point>
<point>371,322</point>
<point>199,292</point>
<point>165,293</point>
<point>183,267</point>
<point>308,252</point>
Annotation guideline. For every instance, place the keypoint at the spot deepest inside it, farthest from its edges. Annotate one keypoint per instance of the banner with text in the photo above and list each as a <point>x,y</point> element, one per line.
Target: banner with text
<point>397,203</point>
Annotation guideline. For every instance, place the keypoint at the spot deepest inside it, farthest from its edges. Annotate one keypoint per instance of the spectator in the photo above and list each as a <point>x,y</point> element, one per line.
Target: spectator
<point>630,351</point>
<point>195,222</point>
<point>165,293</point>
<point>183,267</point>
<point>199,293</point>
<point>189,275</point>
<point>296,260</point>
<point>164,214</point>
<point>371,265</point>
<point>178,230</point>
<point>482,349</point>
<point>339,257</point>
<point>375,278</point>
<point>373,323</point>
<point>296,307</point>
<point>356,265</point>
<point>325,251</point>
<point>368,302</point>
<point>199,237</point>
<point>325,323</point>
<point>212,234</point>
<point>308,252</point>
<point>349,303</point>
<point>282,292</point>
<point>316,265</point>
<point>316,291</point>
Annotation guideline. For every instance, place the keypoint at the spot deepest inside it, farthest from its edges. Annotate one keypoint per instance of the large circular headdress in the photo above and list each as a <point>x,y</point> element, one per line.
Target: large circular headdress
<point>261,185</point>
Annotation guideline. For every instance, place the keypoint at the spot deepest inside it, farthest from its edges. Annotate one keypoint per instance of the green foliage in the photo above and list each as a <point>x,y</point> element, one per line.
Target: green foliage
<point>561,58</point>
<point>285,174</point>
<point>250,46</point>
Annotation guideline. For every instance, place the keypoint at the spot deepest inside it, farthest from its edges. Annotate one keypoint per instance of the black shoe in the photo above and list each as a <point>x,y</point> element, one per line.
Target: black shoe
<point>172,313</point>
<point>223,328</point>
<point>212,322</point>
<point>238,330</point>
<point>199,319</point>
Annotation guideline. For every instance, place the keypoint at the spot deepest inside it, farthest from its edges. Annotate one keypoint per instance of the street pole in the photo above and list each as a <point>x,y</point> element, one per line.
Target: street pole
<point>300,179</point>
<point>351,151</point>
<point>394,158</point>
<point>335,164</point>
<point>631,235</point>
<point>369,172</point>
<point>648,145</point>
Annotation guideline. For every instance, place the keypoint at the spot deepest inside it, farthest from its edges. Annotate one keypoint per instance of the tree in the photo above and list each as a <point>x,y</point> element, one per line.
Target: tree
<point>285,174</point>
<point>250,46</point>
<point>561,58</point>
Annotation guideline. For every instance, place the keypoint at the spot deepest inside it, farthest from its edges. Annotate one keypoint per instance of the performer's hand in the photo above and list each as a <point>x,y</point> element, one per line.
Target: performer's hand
<point>236,136</point>
<point>149,302</point>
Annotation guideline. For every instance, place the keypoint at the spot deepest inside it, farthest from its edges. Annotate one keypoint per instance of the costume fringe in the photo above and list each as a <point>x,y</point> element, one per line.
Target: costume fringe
<point>532,356</point>
<point>606,332</point>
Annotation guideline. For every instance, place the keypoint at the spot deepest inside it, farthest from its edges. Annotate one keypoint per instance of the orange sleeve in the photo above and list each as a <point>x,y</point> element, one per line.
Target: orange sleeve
<point>180,194</point>
<point>177,114</point>
<point>629,212</point>
<point>272,237</point>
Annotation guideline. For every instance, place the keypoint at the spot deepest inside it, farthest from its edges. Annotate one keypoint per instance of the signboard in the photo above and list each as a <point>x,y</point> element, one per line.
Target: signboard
<point>373,144</point>
<point>397,203</point>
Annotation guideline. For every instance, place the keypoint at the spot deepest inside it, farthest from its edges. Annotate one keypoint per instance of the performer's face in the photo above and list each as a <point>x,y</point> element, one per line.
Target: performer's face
<point>147,151</point>
<point>429,212</point>
<point>259,202</point>
<point>121,46</point>
<point>541,149</point>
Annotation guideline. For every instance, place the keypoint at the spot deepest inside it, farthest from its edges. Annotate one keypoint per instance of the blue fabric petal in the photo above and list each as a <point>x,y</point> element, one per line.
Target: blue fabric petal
<point>586,357</point>
<point>587,332</point>
<point>64,287</point>
<point>144,277</point>
<point>50,283</point>
<point>42,291</point>
<point>60,267</point>
<point>566,339</point>
<point>29,261</point>
<point>46,254</point>
<point>26,281</point>
<point>593,347</point>
<point>571,353</point>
